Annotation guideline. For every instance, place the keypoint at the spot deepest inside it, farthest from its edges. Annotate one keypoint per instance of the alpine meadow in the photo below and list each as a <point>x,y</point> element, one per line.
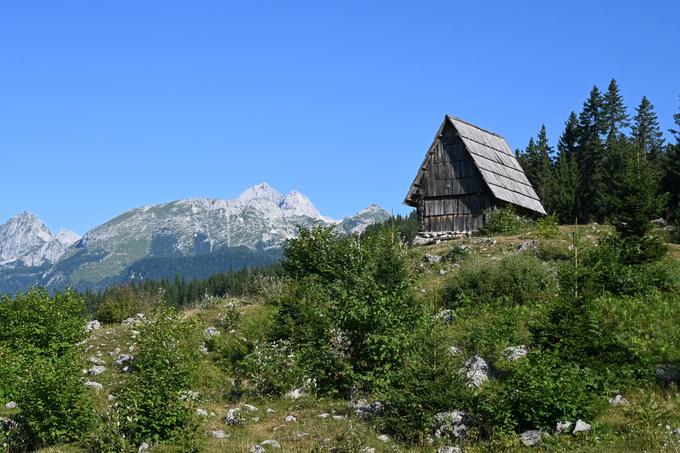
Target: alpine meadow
<point>457,295</point>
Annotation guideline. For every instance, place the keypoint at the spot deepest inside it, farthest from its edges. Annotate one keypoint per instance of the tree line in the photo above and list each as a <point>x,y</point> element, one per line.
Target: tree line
<point>604,161</point>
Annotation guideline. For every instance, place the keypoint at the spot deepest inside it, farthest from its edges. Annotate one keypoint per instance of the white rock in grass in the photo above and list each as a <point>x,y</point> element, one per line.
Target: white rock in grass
<point>210,332</point>
<point>143,447</point>
<point>95,385</point>
<point>290,418</point>
<point>295,394</point>
<point>11,405</point>
<point>234,417</point>
<point>530,438</point>
<point>367,450</point>
<point>201,412</point>
<point>581,427</point>
<point>339,417</point>
<point>450,424</point>
<point>123,359</point>
<point>270,443</point>
<point>324,415</point>
<point>93,325</point>
<point>95,360</point>
<point>249,407</point>
<point>270,410</point>
<point>96,370</point>
<point>514,353</point>
<point>476,370</point>
<point>563,427</point>
<point>618,400</point>
<point>218,434</point>
<point>449,449</point>
<point>384,438</point>
<point>257,449</point>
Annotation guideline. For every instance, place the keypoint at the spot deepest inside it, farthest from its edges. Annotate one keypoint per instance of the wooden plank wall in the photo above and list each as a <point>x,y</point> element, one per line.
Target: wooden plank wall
<point>452,193</point>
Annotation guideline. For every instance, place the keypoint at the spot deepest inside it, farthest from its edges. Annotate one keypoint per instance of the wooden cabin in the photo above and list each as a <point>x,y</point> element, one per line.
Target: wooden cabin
<point>466,173</point>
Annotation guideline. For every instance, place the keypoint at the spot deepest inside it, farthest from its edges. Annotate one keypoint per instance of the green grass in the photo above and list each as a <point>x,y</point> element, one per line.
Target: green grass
<point>641,426</point>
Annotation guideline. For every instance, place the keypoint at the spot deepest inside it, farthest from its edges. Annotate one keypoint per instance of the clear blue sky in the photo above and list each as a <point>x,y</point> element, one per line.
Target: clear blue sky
<point>108,107</point>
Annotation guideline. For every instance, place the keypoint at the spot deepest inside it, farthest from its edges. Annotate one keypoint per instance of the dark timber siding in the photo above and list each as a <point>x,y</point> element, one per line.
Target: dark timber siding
<point>452,195</point>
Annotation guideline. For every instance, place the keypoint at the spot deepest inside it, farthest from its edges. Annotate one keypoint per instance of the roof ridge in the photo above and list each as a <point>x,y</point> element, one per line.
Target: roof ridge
<point>474,125</point>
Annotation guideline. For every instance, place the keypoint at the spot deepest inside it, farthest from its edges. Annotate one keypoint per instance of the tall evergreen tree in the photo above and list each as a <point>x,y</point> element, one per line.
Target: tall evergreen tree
<point>566,187</point>
<point>591,159</point>
<point>614,113</point>
<point>634,201</point>
<point>646,131</point>
<point>537,166</point>
<point>544,174</point>
<point>671,179</point>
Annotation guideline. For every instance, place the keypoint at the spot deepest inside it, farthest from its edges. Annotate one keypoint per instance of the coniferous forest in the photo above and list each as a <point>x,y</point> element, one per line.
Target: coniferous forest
<point>604,154</point>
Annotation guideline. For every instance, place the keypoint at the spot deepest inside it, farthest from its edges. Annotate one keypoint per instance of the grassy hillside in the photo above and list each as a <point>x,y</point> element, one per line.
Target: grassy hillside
<point>501,292</point>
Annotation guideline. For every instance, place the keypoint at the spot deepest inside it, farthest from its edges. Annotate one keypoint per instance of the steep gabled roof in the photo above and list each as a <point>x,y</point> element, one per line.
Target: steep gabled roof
<point>496,162</point>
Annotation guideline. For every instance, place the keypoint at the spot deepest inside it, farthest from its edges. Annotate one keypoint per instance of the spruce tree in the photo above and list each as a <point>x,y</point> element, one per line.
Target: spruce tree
<point>591,159</point>
<point>544,175</point>
<point>566,187</point>
<point>614,113</point>
<point>671,179</point>
<point>634,201</point>
<point>537,166</point>
<point>646,131</point>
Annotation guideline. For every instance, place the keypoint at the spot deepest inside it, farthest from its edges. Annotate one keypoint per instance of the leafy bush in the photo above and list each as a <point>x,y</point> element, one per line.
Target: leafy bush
<point>124,302</point>
<point>540,390</point>
<point>55,405</point>
<point>548,227</point>
<point>40,367</point>
<point>456,253</point>
<point>504,221</point>
<point>271,368</point>
<point>517,279</point>
<point>230,318</point>
<point>36,324</point>
<point>490,328</point>
<point>165,366</point>
<point>428,382</point>
<point>346,307</point>
<point>608,268</point>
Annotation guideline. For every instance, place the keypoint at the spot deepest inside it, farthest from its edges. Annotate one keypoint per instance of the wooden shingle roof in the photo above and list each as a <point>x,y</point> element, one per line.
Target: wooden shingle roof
<point>496,162</point>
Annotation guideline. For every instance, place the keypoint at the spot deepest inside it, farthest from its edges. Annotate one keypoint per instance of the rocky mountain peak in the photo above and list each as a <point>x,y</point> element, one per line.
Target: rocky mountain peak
<point>26,239</point>
<point>264,191</point>
<point>296,204</point>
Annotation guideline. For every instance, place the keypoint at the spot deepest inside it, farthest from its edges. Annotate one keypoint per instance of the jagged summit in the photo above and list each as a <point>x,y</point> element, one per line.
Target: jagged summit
<point>260,221</point>
<point>262,190</point>
<point>67,237</point>
<point>27,240</point>
<point>297,204</point>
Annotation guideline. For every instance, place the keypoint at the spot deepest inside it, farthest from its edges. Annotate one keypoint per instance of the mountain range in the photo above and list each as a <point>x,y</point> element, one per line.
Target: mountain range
<point>192,238</point>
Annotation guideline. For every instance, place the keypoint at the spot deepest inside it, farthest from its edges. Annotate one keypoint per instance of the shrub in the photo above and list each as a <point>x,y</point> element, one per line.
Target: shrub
<point>517,279</point>
<point>490,328</point>
<point>271,368</point>
<point>539,390</point>
<point>36,324</point>
<point>40,367</point>
<point>55,405</point>
<point>165,366</point>
<point>230,317</point>
<point>547,227</point>
<point>428,382</point>
<point>456,253</point>
<point>124,302</point>
<point>504,221</point>
<point>346,307</point>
